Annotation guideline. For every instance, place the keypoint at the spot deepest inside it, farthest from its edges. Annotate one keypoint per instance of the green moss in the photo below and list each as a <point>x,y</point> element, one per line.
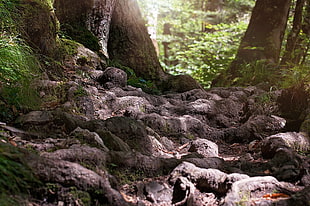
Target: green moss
<point>81,196</point>
<point>15,177</point>
<point>126,176</point>
<point>79,33</point>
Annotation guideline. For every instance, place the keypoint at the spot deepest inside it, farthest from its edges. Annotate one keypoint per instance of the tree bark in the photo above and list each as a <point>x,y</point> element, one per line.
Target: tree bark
<point>130,44</point>
<point>98,21</point>
<point>293,51</point>
<point>264,35</point>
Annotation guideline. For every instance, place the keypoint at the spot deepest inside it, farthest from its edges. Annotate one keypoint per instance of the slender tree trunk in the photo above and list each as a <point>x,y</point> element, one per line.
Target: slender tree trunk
<point>264,35</point>
<point>293,50</point>
<point>129,42</point>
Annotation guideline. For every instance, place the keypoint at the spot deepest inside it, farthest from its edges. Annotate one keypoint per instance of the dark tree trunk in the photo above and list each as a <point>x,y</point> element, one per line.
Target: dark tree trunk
<point>129,42</point>
<point>264,35</point>
<point>293,51</point>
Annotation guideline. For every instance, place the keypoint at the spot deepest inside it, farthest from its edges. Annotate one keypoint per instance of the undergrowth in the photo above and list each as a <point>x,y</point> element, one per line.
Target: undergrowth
<point>18,64</point>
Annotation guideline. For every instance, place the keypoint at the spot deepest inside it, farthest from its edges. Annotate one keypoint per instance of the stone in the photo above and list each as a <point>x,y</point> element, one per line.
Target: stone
<point>73,174</point>
<point>91,138</point>
<point>245,190</point>
<point>204,147</point>
<point>205,179</point>
<point>296,141</point>
<point>82,154</point>
<point>113,77</point>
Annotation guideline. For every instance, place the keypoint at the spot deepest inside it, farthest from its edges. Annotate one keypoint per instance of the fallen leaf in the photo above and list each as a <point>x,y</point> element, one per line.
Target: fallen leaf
<point>267,172</point>
<point>275,196</point>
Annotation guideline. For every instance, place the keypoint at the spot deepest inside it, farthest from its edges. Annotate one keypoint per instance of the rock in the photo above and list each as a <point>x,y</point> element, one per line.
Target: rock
<point>245,190</point>
<point>185,193</point>
<point>204,147</point>
<point>296,141</point>
<point>180,83</point>
<point>305,180</point>
<point>72,174</point>
<point>35,118</point>
<point>112,141</point>
<point>113,77</point>
<point>300,198</point>
<point>183,190</point>
<point>257,127</point>
<point>205,179</point>
<point>286,165</point>
<point>85,56</point>
<point>89,156</point>
<point>157,192</point>
<point>91,138</point>
<point>137,161</point>
<point>131,131</point>
<point>210,162</point>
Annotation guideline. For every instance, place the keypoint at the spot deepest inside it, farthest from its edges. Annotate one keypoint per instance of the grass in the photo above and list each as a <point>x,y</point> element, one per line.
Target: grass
<point>18,64</point>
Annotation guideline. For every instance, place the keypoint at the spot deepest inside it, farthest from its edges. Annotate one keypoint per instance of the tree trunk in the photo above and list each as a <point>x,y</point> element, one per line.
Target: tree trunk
<point>264,35</point>
<point>77,17</point>
<point>98,21</point>
<point>129,42</point>
<point>293,50</point>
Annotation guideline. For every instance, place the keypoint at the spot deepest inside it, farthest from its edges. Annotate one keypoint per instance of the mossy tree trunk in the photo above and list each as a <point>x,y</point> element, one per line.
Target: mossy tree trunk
<point>130,44</point>
<point>99,19</point>
<point>264,35</point>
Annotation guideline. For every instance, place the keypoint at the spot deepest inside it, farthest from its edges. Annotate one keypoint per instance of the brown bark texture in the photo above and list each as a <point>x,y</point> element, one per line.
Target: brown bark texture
<point>264,35</point>
<point>129,42</point>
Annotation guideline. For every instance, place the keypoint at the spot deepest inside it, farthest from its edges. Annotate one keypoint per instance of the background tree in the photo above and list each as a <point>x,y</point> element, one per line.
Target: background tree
<point>263,37</point>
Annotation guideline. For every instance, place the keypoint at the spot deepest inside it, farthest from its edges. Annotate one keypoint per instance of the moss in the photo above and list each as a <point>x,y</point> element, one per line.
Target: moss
<point>79,33</point>
<point>126,176</point>
<point>82,197</point>
<point>15,176</point>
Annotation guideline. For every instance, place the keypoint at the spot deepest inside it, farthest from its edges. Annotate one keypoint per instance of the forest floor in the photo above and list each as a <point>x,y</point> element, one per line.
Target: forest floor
<point>96,142</point>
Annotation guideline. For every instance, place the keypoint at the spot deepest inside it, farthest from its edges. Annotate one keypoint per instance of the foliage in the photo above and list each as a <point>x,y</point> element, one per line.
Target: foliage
<point>202,36</point>
<point>296,76</point>
<point>255,73</point>
<point>207,54</point>
<point>18,65</point>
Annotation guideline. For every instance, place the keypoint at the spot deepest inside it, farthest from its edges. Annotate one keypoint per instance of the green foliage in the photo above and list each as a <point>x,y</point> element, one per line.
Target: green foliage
<point>80,92</point>
<point>126,176</point>
<point>255,73</point>
<point>207,54</point>
<point>82,197</point>
<point>18,67</point>
<point>202,47</point>
<point>296,76</point>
